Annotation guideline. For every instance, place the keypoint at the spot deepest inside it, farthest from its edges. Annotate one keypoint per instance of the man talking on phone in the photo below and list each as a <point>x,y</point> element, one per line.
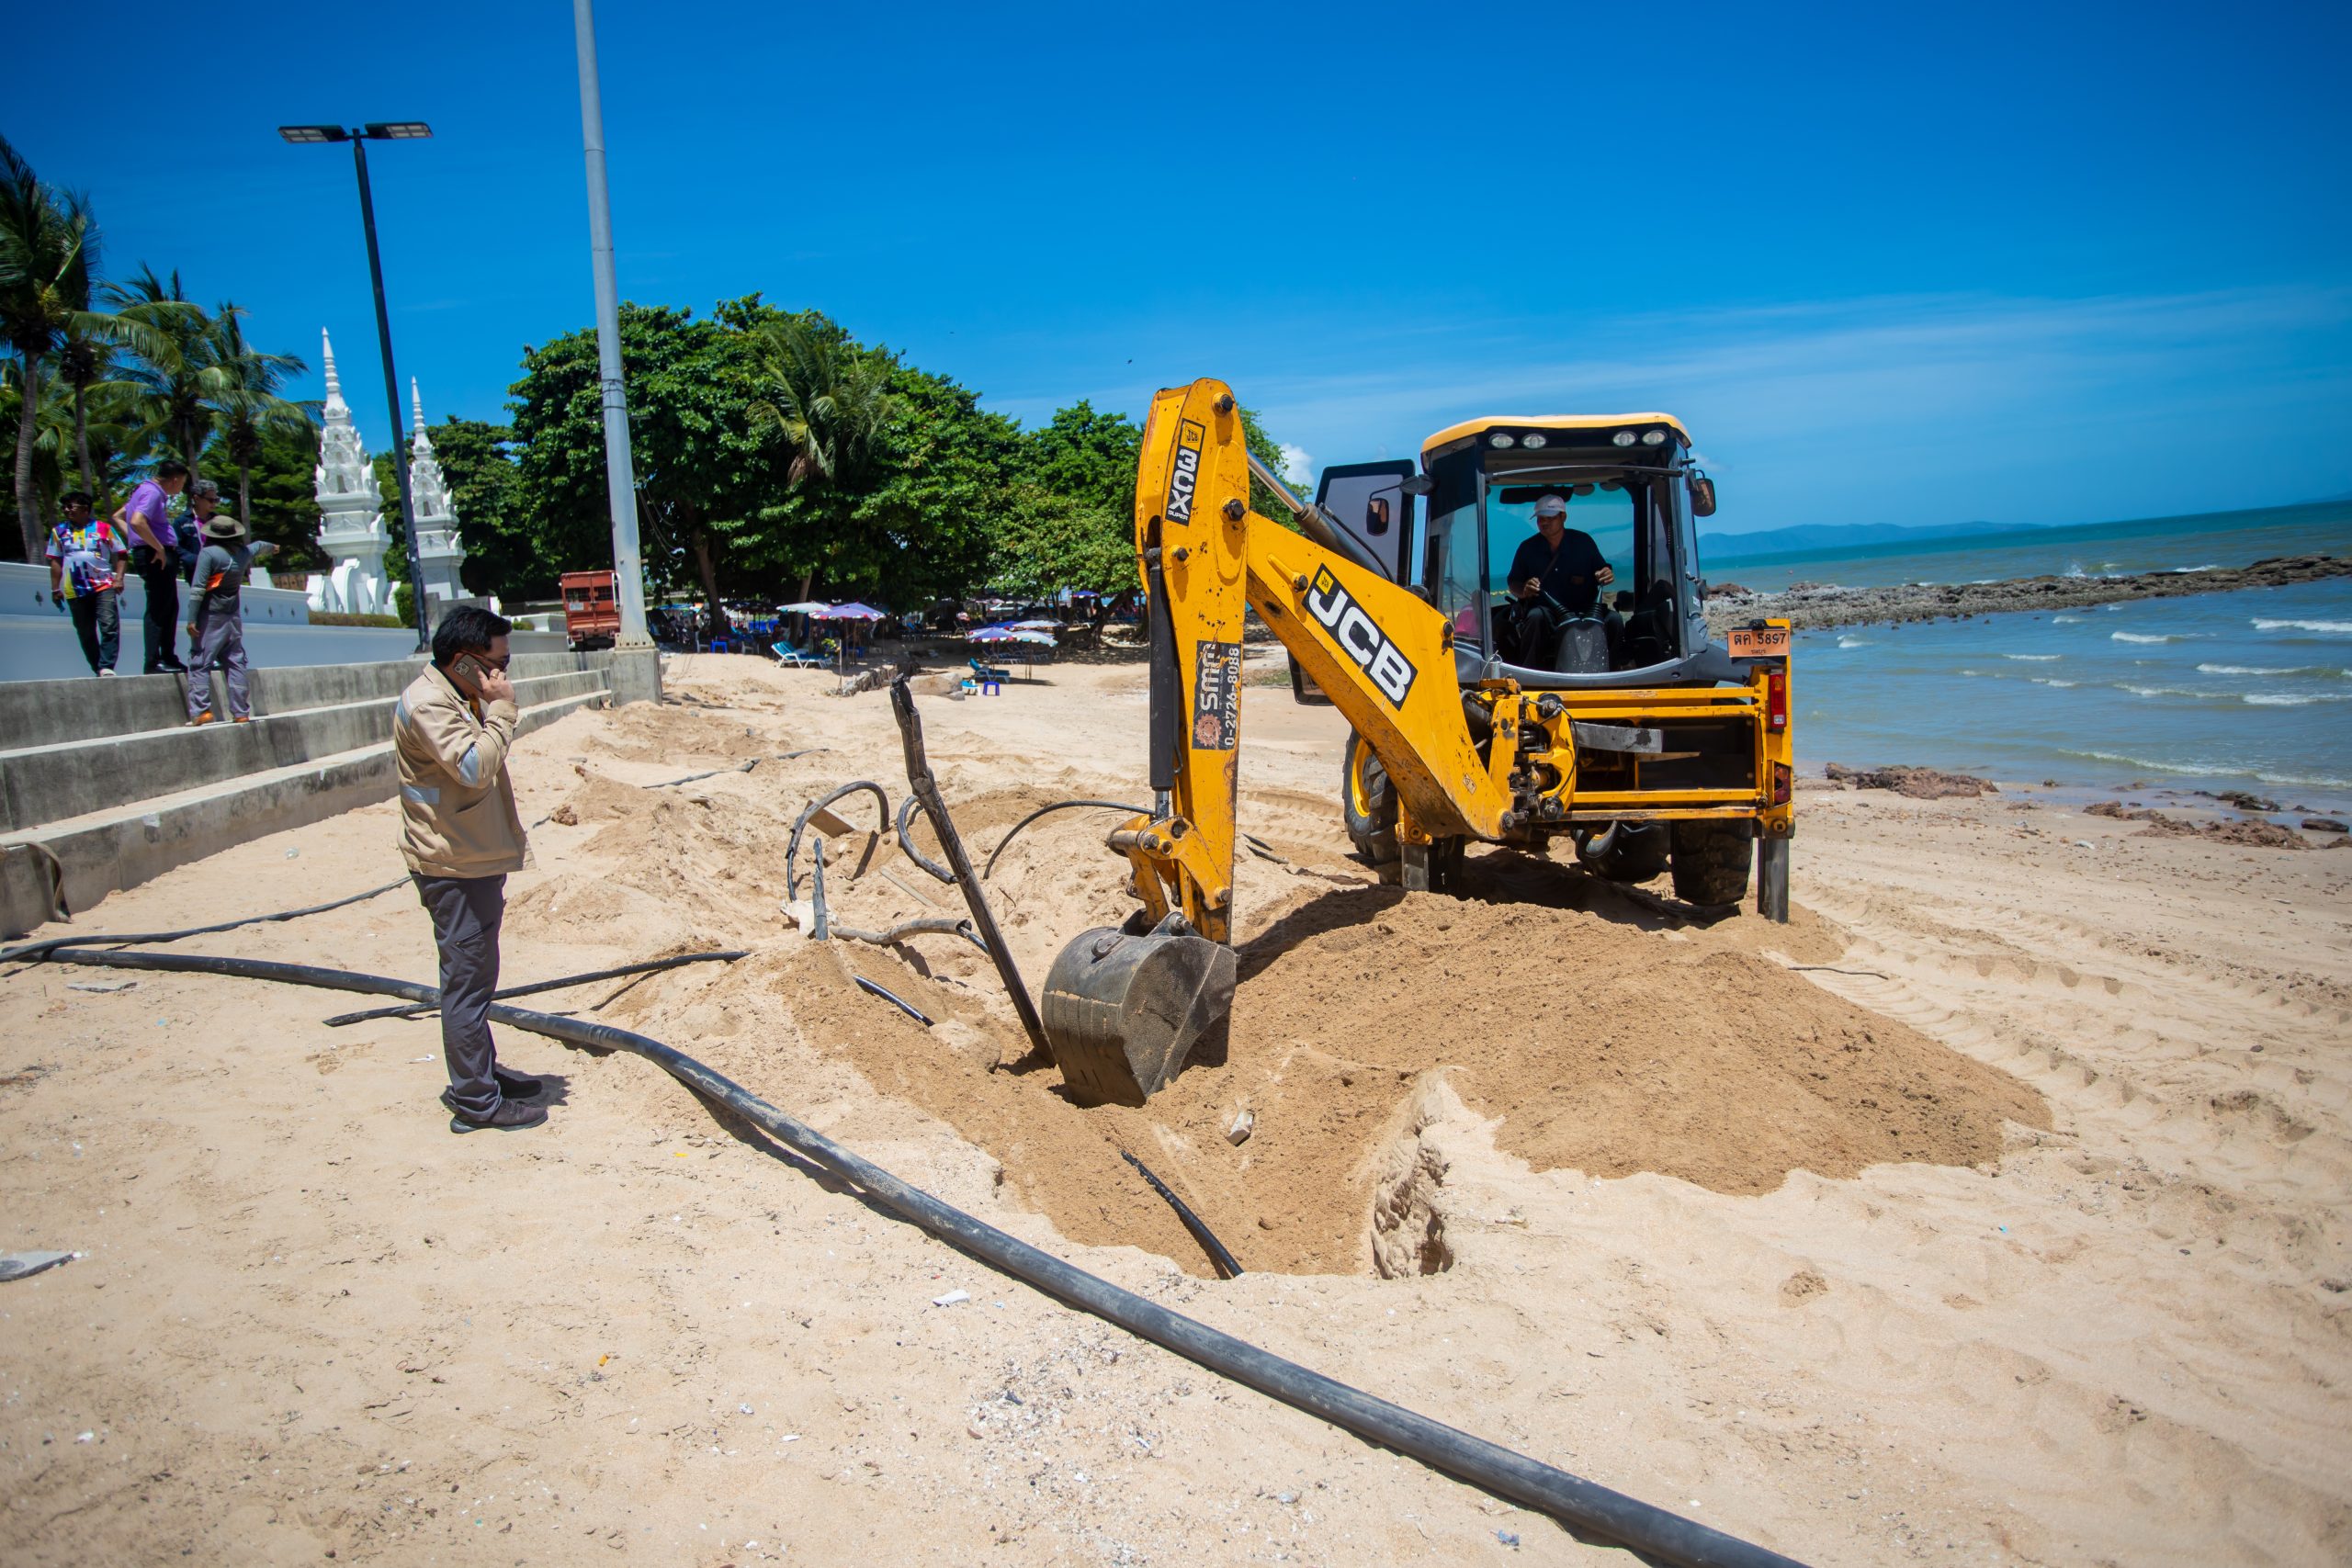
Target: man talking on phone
<point>460,835</point>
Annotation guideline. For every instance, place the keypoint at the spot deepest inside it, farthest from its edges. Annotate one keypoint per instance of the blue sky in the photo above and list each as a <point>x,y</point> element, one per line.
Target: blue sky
<point>2030,265</point>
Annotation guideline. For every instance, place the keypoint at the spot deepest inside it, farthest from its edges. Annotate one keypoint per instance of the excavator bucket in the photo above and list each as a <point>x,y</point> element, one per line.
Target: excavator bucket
<point>1123,1009</point>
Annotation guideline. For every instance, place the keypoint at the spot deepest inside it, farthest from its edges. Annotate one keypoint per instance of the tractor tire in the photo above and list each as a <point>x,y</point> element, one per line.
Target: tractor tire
<point>1627,851</point>
<point>1368,802</point>
<point>1712,861</point>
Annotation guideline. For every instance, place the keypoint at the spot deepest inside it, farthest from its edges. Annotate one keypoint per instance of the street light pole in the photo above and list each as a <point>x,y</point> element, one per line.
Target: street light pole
<point>401,130</point>
<point>392,400</point>
<point>620,477</point>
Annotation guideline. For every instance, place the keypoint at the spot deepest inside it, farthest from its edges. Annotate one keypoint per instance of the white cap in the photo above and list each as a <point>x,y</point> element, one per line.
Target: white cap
<point>1550,505</point>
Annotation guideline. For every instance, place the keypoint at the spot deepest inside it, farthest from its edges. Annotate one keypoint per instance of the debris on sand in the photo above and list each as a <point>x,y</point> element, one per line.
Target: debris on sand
<point>2253,833</point>
<point>1918,783</point>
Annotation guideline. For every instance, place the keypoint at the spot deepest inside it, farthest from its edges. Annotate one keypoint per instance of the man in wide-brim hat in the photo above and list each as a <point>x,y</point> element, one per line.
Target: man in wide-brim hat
<point>216,628</point>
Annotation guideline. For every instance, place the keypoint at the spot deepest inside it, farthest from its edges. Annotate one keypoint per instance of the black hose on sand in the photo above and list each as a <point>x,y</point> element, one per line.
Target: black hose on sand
<point>1581,1504</point>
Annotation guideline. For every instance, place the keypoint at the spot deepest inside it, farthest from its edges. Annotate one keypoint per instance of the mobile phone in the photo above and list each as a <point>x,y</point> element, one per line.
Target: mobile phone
<point>472,669</point>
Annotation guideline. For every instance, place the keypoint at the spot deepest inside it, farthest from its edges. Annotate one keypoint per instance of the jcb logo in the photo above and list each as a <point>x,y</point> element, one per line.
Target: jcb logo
<point>1391,672</point>
<point>1185,478</point>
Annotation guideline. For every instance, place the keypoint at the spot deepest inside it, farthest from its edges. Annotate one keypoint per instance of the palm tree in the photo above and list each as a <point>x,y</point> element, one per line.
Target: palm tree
<point>832,403</point>
<point>245,398</point>
<point>48,242</point>
<point>172,382</point>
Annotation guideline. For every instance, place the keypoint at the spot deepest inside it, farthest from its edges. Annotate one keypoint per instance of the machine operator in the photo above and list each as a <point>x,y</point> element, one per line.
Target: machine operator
<point>1559,560</point>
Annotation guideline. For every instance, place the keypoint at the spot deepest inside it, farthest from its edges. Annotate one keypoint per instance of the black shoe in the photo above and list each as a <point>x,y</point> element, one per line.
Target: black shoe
<point>517,1086</point>
<point>509,1117</point>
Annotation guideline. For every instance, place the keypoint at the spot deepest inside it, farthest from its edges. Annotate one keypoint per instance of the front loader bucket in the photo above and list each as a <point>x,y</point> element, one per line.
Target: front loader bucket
<point>1122,1011</point>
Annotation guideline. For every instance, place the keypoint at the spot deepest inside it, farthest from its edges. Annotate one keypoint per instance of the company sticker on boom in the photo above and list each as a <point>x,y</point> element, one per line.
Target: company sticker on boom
<point>1185,478</point>
<point>1360,638</point>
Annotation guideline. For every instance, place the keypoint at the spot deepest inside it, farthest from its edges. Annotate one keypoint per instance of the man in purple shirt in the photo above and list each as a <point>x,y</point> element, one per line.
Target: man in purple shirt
<point>146,519</point>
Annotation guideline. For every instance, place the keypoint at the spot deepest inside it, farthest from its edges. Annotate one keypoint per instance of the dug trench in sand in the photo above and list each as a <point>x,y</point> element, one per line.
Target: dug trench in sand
<point>1602,1038</point>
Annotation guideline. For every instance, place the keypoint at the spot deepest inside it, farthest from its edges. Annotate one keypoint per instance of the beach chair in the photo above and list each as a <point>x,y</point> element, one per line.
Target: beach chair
<point>984,673</point>
<point>791,658</point>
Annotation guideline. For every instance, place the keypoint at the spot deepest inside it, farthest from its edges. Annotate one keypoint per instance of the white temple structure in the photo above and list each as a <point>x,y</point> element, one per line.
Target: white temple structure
<point>438,554</point>
<point>351,521</point>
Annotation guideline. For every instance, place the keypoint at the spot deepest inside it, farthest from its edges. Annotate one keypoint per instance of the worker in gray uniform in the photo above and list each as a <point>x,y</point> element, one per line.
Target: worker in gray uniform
<point>216,632</point>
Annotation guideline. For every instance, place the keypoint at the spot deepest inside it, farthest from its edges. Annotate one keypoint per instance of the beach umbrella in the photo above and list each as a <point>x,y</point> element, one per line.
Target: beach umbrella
<point>855,612</point>
<point>1037,625</point>
<point>1026,637</point>
<point>806,607</point>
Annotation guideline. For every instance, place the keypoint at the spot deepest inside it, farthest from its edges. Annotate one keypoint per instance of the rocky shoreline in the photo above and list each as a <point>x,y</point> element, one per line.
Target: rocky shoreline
<point>1809,607</point>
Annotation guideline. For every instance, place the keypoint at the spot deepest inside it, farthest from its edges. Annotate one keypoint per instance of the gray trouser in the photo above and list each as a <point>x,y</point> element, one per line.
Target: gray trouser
<point>98,623</point>
<point>466,913</point>
<point>220,645</point>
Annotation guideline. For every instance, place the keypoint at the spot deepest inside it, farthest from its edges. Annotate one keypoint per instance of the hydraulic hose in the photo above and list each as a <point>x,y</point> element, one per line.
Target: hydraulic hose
<point>1584,1504</point>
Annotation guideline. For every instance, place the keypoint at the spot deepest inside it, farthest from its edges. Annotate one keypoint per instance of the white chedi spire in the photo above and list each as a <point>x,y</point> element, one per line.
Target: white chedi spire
<point>351,510</point>
<point>438,554</point>
<point>334,382</point>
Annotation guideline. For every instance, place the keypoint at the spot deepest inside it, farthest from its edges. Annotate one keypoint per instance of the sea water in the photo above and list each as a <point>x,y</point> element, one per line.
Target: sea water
<point>2246,690</point>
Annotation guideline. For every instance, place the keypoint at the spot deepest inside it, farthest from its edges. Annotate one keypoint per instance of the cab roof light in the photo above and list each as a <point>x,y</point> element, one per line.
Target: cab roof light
<point>1534,440</point>
<point>1624,438</point>
<point>1502,438</point>
<point>1653,437</point>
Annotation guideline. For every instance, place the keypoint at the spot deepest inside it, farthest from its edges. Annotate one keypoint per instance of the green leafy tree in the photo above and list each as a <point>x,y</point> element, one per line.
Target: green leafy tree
<point>486,489</point>
<point>48,253</point>
<point>280,491</point>
<point>1069,521</point>
<point>700,462</point>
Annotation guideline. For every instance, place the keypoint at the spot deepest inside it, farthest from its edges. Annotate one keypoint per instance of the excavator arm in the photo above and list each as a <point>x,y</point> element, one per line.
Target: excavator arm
<point>1122,1006</point>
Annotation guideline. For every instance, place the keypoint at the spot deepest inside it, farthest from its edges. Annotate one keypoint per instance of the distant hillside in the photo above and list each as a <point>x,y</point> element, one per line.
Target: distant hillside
<point>1829,537</point>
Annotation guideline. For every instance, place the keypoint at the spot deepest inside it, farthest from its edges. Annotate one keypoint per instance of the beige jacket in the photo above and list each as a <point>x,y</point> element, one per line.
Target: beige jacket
<point>457,815</point>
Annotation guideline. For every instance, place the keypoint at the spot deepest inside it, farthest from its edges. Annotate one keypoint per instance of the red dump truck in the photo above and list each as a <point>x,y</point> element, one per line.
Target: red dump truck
<point>592,615</point>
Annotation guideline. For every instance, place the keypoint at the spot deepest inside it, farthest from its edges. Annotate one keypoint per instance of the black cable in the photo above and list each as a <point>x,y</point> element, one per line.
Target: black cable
<point>1257,846</point>
<point>1057,806</point>
<point>1585,1504</point>
<point>738,767</point>
<point>653,966</point>
<point>36,949</point>
<point>899,1003</point>
<point>1193,1222</point>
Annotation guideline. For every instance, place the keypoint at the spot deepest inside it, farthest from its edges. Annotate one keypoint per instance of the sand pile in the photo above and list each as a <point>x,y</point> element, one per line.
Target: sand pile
<point>1608,1039</point>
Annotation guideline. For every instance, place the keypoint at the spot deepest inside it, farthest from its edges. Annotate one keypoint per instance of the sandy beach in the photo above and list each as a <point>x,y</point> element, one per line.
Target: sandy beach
<point>1991,1212</point>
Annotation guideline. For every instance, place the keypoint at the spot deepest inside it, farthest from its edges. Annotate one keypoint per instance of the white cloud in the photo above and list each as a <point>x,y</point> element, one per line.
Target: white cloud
<point>1297,468</point>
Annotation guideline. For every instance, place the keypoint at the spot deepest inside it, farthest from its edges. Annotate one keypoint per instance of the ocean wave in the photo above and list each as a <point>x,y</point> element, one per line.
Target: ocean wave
<point>2271,670</point>
<point>2295,699</point>
<point>2211,770</point>
<point>2052,680</point>
<point>1853,642</point>
<point>2162,690</point>
<point>2035,657</point>
<point>2066,620</point>
<point>2329,628</point>
<point>2143,637</point>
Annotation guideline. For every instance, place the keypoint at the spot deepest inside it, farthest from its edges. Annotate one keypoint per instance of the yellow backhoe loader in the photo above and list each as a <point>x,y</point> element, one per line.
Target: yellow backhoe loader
<point>1529,661</point>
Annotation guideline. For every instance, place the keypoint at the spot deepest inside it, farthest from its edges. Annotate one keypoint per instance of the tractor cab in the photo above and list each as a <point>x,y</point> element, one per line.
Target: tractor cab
<point>1561,549</point>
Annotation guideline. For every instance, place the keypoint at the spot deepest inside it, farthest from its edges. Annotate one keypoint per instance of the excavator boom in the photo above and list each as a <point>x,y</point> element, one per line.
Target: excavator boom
<point>1122,1006</point>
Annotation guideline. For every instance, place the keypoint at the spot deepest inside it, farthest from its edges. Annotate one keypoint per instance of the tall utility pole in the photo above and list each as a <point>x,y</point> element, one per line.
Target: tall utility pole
<point>620,472</point>
<point>359,135</point>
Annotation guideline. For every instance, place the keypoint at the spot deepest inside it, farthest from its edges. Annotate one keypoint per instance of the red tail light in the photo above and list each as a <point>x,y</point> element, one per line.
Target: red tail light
<point>1783,782</point>
<point>1776,699</point>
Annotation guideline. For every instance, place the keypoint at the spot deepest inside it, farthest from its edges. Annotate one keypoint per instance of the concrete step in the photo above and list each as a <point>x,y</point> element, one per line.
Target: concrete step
<point>100,851</point>
<point>44,783</point>
<point>46,713</point>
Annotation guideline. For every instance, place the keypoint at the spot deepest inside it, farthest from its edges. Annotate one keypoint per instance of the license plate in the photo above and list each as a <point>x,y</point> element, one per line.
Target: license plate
<point>1759,642</point>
